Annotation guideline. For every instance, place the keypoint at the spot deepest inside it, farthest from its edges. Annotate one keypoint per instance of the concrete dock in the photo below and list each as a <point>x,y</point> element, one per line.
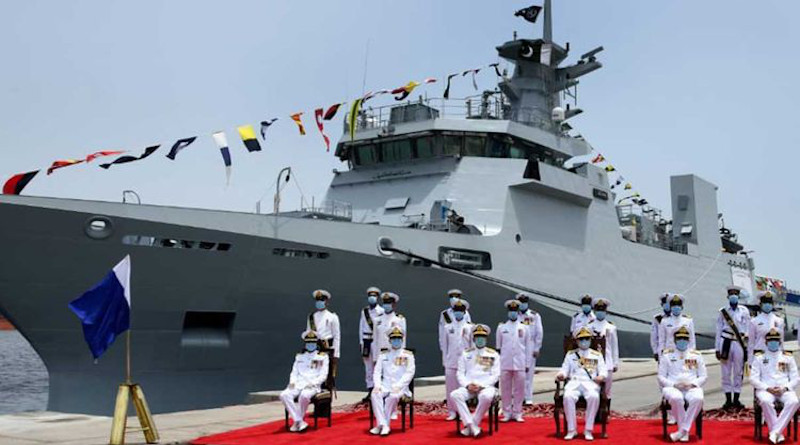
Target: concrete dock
<point>635,390</point>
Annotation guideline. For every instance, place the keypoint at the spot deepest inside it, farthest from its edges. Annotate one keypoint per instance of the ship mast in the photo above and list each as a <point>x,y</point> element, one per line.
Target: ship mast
<point>548,22</point>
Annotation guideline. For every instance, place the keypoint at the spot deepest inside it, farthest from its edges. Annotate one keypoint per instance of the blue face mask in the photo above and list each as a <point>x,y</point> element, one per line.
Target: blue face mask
<point>666,308</point>
<point>397,343</point>
<point>676,310</point>
<point>311,347</point>
<point>372,300</point>
<point>387,307</point>
<point>601,315</point>
<point>320,304</point>
<point>459,315</point>
<point>584,344</point>
<point>773,345</point>
<point>586,308</point>
<point>682,345</point>
<point>523,307</point>
<point>733,300</point>
<point>480,342</point>
<point>512,315</point>
<point>766,308</point>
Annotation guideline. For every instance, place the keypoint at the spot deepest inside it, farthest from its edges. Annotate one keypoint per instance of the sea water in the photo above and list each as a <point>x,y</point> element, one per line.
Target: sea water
<point>23,376</point>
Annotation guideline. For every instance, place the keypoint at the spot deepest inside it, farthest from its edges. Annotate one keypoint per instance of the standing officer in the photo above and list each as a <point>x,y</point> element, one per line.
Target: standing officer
<point>386,322</point>
<point>309,371</point>
<point>676,320</point>
<point>584,317</point>
<point>762,323</point>
<point>655,325</point>
<point>515,345</point>
<point>601,327</point>
<point>366,327</point>
<point>733,325</point>
<point>586,369</point>
<point>457,337</point>
<point>447,316</point>
<point>394,371</point>
<point>533,321</point>
<point>478,372</point>
<point>682,373</point>
<point>326,324</point>
<point>773,374</point>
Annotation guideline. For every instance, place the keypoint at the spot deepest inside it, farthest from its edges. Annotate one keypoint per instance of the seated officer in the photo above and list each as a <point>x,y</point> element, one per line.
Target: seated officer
<point>586,369</point>
<point>773,374</point>
<point>478,372</point>
<point>309,371</point>
<point>394,371</point>
<point>682,373</point>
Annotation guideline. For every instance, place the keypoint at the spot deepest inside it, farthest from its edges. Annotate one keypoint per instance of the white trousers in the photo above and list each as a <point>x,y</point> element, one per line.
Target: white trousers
<point>732,369</point>
<point>676,398</point>
<point>777,423</point>
<point>460,397</point>
<point>512,392</point>
<point>572,392</point>
<point>609,382</point>
<point>529,381</point>
<point>369,367</point>
<point>383,405</point>
<point>297,410</point>
<point>450,385</point>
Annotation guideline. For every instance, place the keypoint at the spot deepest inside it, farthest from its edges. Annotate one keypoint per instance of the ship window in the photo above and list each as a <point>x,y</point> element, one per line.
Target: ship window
<point>300,253</point>
<point>365,155</point>
<point>474,146</point>
<point>172,243</point>
<point>425,147</point>
<point>517,153</point>
<point>207,329</point>
<point>497,148</point>
<point>396,151</point>
<point>452,145</point>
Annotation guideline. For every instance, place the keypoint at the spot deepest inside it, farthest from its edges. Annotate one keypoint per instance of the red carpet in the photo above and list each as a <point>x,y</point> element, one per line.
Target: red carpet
<point>351,429</point>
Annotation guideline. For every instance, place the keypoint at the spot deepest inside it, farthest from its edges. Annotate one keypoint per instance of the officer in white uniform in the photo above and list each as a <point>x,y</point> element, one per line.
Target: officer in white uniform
<point>326,324</point>
<point>682,374</point>
<point>676,320</point>
<point>773,374</point>
<point>586,369</point>
<point>601,327</point>
<point>762,323</point>
<point>394,371</point>
<point>478,372</point>
<point>533,320</point>
<point>366,328</point>
<point>733,325</point>
<point>515,345</point>
<point>655,325</point>
<point>309,372</point>
<point>457,337</point>
<point>584,316</point>
<point>386,322</point>
<point>446,316</point>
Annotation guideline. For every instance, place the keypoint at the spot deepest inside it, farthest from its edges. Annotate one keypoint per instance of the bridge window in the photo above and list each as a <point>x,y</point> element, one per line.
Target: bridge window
<point>366,155</point>
<point>474,146</point>
<point>452,145</point>
<point>396,151</point>
<point>426,147</point>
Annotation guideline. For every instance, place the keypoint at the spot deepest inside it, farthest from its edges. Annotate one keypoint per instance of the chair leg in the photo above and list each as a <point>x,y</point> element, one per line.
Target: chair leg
<point>316,417</point>
<point>556,415</point>
<point>286,419</point>
<point>330,413</point>
<point>757,427</point>
<point>458,423</point>
<point>403,417</point>
<point>699,427</point>
<point>663,420</point>
<point>411,414</point>
<point>371,417</point>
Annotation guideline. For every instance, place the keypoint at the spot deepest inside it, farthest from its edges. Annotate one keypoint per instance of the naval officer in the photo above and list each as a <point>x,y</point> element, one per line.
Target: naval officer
<point>326,324</point>
<point>533,321</point>
<point>456,338</point>
<point>586,369</point>
<point>309,371</point>
<point>514,343</point>
<point>733,325</point>
<point>682,374</point>
<point>601,327</point>
<point>762,323</point>
<point>394,371</point>
<point>676,320</point>
<point>773,374</point>
<point>655,325</point>
<point>386,322</point>
<point>478,372</point>
<point>582,317</point>
<point>366,327</point>
<point>447,316</point>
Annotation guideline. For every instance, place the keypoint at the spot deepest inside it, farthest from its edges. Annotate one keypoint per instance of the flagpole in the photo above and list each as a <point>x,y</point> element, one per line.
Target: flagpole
<point>128,357</point>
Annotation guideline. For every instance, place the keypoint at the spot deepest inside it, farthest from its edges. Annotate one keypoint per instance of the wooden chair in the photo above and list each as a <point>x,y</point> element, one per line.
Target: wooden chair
<point>493,414</point>
<point>322,402</point>
<point>758,417</point>
<point>405,403</point>
<point>599,344</point>
<point>665,407</point>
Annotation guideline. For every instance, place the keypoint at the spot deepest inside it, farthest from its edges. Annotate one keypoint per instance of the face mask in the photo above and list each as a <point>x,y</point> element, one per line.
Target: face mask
<point>372,300</point>
<point>676,310</point>
<point>311,347</point>
<point>512,315</point>
<point>397,343</point>
<point>480,342</point>
<point>773,345</point>
<point>320,304</point>
<point>766,307</point>
<point>601,315</point>
<point>453,300</point>
<point>387,307</point>
<point>584,344</point>
<point>682,345</point>
<point>459,315</point>
<point>586,308</point>
<point>666,308</point>
<point>523,307</point>
<point>733,300</point>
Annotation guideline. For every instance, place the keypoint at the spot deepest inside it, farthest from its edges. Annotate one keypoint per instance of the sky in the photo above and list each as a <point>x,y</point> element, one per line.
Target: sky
<point>687,87</point>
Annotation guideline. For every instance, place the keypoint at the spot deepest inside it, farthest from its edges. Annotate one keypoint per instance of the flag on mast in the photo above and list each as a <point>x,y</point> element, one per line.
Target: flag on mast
<point>222,144</point>
<point>16,183</point>
<point>297,120</point>
<point>531,13</point>
<point>318,115</point>
<point>105,309</point>
<point>249,139</point>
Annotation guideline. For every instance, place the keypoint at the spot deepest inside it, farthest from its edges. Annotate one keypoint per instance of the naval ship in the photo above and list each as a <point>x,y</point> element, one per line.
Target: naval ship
<point>484,195</point>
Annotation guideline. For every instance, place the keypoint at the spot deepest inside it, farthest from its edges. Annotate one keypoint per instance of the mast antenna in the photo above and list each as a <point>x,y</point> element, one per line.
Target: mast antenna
<point>548,21</point>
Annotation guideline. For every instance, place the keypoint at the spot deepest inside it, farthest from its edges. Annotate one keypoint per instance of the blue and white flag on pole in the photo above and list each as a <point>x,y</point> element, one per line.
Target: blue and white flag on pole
<point>105,310</point>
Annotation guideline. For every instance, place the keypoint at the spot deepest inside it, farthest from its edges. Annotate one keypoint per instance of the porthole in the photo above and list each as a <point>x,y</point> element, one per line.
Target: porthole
<point>98,227</point>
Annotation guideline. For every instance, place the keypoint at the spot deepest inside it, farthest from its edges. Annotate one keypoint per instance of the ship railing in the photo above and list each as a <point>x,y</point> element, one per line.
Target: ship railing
<point>337,209</point>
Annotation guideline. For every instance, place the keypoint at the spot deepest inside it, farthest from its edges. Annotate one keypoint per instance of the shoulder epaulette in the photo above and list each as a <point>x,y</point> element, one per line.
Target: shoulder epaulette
<point>758,353</point>
<point>787,353</point>
<point>666,350</point>
<point>400,316</point>
<point>611,323</point>
<point>489,349</point>
<point>576,315</point>
<point>687,316</point>
<point>470,349</point>
<point>571,351</point>
<point>595,351</point>
<point>694,351</point>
